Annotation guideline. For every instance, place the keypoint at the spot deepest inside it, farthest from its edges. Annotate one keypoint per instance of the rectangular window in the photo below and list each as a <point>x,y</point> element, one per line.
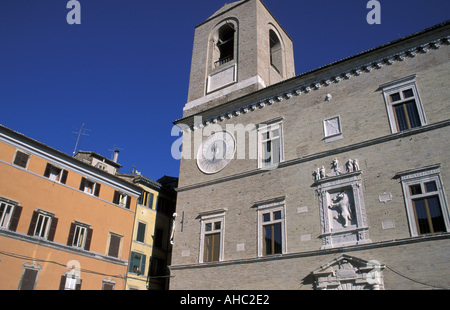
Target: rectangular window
<point>6,211</point>
<point>212,236</point>
<point>140,235</point>
<point>29,277</point>
<point>403,104</point>
<point>212,242</point>
<point>137,263</point>
<point>114,245</point>
<point>121,199</point>
<point>9,214</point>
<point>79,236</point>
<point>43,225</point>
<point>146,199</point>
<point>90,187</point>
<point>55,174</point>
<point>271,227</point>
<point>425,201</point>
<point>272,233</point>
<point>270,146</point>
<point>21,159</point>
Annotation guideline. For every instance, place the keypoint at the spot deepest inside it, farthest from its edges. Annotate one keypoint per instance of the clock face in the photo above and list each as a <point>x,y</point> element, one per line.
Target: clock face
<point>216,152</point>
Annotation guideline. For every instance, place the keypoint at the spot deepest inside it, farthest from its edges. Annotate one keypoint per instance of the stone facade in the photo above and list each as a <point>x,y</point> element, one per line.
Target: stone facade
<point>337,201</point>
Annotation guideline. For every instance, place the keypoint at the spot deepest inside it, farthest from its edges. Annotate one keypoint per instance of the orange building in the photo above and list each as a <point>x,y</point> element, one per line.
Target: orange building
<point>64,224</point>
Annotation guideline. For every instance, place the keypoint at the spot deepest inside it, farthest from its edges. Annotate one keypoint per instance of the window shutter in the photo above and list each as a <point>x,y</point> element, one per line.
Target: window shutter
<point>51,233</point>
<point>82,184</point>
<point>71,234</point>
<point>114,244</point>
<point>62,283</point>
<point>143,258</point>
<point>128,201</point>
<point>150,200</point>
<point>78,285</point>
<point>15,218</point>
<point>48,168</point>
<point>97,189</point>
<point>64,176</point>
<point>87,244</point>
<point>33,223</point>
<point>28,279</point>
<point>130,263</point>
<point>116,197</point>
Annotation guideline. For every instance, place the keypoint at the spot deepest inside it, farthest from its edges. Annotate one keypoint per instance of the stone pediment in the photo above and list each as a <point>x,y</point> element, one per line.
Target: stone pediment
<point>349,273</point>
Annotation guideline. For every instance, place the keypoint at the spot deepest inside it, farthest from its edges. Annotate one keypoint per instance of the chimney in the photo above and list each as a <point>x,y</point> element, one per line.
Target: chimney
<point>116,155</point>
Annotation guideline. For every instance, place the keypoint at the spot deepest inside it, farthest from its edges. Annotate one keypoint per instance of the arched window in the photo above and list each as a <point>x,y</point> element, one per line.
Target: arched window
<point>224,51</point>
<point>276,52</point>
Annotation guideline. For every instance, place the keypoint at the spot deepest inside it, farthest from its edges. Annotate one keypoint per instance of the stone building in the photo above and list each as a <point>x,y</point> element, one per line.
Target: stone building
<point>332,179</point>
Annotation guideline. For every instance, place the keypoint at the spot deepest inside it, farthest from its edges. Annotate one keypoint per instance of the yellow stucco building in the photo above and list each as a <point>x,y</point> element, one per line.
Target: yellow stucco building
<point>150,246</point>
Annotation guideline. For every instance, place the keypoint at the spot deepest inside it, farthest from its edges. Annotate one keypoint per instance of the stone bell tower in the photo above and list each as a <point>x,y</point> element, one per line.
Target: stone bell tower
<point>240,49</point>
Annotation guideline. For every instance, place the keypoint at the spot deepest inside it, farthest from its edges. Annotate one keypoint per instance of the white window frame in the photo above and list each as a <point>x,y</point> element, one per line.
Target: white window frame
<point>271,206</point>
<point>422,176</point>
<point>398,86</point>
<point>212,218</point>
<point>263,129</point>
<point>43,223</point>
<point>80,227</point>
<point>5,218</point>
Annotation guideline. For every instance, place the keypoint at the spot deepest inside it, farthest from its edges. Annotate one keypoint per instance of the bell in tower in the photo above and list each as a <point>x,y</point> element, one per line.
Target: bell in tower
<point>240,49</point>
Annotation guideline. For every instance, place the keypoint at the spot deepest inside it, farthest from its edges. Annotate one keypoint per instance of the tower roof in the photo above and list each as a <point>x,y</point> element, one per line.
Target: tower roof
<point>226,7</point>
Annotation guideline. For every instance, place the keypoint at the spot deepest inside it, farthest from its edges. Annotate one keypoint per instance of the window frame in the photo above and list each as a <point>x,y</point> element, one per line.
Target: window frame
<point>212,218</point>
<point>43,224</point>
<point>18,164</point>
<point>263,129</point>
<point>121,199</point>
<point>109,251</point>
<point>4,220</point>
<point>271,206</point>
<point>422,176</point>
<point>144,225</point>
<point>85,184</point>
<point>30,267</point>
<point>142,263</point>
<point>55,173</point>
<point>400,86</point>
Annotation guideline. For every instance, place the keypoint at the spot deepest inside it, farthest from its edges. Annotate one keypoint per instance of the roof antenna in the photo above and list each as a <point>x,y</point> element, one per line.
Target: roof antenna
<point>115,153</point>
<point>80,133</point>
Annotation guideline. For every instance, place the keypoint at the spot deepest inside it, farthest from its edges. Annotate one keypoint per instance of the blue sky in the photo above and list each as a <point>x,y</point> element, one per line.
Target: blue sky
<point>124,71</point>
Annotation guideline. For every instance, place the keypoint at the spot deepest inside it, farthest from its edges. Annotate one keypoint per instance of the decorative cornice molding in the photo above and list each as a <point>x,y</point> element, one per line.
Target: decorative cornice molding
<point>322,82</point>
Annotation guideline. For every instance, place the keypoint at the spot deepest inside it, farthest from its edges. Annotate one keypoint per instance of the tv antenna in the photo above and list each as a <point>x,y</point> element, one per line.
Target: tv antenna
<point>80,133</point>
<point>114,152</point>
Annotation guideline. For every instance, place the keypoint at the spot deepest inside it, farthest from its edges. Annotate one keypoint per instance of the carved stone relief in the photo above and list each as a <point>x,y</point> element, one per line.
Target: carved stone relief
<point>341,205</point>
<point>349,273</point>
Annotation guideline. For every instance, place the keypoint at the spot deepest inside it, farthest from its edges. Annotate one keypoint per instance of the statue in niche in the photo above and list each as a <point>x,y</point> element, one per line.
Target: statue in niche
<point>341,204</point>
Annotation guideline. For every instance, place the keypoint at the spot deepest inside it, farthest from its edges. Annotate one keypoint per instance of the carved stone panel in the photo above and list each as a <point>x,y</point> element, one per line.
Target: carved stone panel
<point>349,273</point>
<point>341,206</point>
